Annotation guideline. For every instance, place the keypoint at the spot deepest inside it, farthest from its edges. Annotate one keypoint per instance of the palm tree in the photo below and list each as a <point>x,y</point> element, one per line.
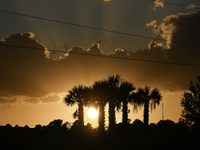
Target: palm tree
<point>77,95</point>
<point>148,97</point>
<point>100,92</point>
<point>113,86</point>
<point>125,95</point>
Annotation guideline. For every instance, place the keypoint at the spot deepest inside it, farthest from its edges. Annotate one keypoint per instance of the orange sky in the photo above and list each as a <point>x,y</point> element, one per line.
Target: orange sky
<point>43,113</point>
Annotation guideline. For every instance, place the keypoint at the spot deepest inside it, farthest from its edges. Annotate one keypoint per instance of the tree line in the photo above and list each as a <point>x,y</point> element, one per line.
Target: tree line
<point>63,135</point>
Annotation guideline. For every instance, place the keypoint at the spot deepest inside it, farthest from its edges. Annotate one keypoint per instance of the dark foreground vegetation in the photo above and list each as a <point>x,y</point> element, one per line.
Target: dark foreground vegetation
<point>57,136</point>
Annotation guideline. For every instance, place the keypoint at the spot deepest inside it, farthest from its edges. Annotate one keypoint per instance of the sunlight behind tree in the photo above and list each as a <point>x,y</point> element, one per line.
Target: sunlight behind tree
<point>92,112</point>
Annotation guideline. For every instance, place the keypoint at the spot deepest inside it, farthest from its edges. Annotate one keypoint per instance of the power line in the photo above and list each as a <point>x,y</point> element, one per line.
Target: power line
<point>168,3</point>
<point>106,56</point>
<point>78,25</point>
<point>162,109</point>
<point>95,28</point>
<point>174,4</point>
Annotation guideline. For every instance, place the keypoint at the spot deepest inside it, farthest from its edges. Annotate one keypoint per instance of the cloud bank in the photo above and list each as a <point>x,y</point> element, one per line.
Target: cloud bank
<point>33,75</point>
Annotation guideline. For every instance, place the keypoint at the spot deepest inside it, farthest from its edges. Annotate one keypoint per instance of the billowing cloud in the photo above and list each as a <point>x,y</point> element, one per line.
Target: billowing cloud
<point>19,64</point>
<point>180,28</point>
<point>31,75</point>
<point>181,33</point>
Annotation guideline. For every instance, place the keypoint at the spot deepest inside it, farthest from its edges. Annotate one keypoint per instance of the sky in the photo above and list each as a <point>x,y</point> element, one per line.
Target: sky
<point>34,79</point>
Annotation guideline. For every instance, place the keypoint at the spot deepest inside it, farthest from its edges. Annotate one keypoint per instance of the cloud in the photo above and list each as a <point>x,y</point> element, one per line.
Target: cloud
<point>158,3</point>
<point>181,33</point>
<point>95,50</point>
<point>34,75</point>
<point>192,6</point>
<point>48,98</point>
<point>29,70</point>
<point>120,53</point>
<point>180,28</point>
<point>19,65</point>
<point>154,25</point>
<point>11,99</point>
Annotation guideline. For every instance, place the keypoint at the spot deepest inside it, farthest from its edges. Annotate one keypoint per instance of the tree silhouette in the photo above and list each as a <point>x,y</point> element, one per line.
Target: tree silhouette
<point>191,104</point>
<point>125,95</point>
<point>147,97</point>
<point>113,99</point>
<point>78,95</point>
<point>8,126</point>
<point>100,94</point>
<point>166,123</point>
<point>56,123</point>
<point>38,127</point>
<point>105,91</point>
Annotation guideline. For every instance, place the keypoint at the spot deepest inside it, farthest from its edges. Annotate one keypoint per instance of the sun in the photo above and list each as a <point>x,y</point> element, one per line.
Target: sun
<point>92,112</point>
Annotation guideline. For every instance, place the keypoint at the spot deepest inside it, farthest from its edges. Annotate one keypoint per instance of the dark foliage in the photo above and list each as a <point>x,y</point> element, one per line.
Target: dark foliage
<point>191,105</point>
<point>164,135</point>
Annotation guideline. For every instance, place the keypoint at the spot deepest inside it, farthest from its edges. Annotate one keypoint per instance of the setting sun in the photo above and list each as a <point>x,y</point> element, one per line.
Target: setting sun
<point>92,112</point>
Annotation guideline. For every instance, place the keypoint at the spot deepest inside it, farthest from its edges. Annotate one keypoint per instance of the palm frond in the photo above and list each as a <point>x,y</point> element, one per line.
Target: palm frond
<point>155,98</point>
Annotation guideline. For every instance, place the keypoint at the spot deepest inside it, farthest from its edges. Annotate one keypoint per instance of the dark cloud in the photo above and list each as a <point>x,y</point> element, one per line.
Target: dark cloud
<point>20,66</point>
<point>181,33</point>
<point>35,75</point>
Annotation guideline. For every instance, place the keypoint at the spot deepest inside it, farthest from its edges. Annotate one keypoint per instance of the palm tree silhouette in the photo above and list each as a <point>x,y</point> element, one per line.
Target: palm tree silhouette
<point>125,95</point>
<point>148,97</point>
<point>113,99</point>
<point>100,95</point>
<point>78,95</point>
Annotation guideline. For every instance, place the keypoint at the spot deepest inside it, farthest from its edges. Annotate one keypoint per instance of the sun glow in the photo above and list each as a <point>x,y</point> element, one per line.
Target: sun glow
<point>92,112</point>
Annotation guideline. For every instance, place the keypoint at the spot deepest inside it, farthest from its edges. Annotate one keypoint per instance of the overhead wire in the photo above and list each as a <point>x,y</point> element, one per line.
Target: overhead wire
<point>105,56</point>
<point>174,4</point>
<point>95,28</point>
<point>104,30</point>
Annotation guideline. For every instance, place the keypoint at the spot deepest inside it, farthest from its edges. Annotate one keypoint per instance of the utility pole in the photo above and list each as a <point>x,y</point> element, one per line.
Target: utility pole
<point>162,109</point>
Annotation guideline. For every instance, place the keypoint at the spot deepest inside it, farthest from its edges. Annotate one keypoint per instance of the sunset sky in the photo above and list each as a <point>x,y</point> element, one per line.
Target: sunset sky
<point>34,81</point>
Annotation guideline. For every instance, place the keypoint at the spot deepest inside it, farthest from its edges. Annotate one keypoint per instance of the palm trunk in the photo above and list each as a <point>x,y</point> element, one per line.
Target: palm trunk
<point>125,112</point>
<point>101,118</point>
<point>112,119</point>
<point>81,115</point>
<point>146,113</point>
